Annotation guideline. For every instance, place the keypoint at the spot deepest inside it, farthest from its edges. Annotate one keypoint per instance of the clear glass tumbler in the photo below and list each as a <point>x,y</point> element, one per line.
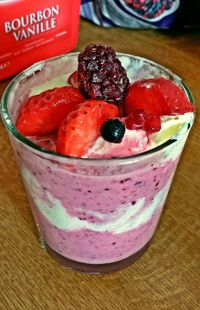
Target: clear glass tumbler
<point>93,215</point>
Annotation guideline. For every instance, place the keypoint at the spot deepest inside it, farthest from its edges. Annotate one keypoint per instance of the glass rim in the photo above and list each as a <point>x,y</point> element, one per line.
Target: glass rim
<point>9,125</point>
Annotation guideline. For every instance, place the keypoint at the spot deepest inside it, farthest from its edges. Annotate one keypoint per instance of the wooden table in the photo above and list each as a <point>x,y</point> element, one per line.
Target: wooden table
<point>168,275</point>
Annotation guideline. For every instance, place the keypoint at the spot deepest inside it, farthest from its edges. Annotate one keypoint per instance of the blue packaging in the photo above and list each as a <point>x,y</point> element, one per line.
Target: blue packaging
<point>135,13</point>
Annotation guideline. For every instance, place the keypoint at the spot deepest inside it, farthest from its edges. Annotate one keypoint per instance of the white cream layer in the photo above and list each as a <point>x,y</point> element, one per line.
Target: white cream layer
<point>129,216</point>
<point>58,81</point>
<point>133,142</point>
<point>171,127</point>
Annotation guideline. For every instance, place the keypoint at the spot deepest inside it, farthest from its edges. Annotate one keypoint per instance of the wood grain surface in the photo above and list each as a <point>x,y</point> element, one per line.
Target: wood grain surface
<point>168,275</point>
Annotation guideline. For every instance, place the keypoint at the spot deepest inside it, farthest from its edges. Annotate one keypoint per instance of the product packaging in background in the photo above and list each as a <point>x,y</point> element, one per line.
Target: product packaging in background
<point>161,14</point>
<point>31,31</point>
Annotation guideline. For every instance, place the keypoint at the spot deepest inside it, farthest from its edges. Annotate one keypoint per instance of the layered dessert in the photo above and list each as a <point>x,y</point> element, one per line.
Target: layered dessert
<point>98,113</point>
<point>101,142</point>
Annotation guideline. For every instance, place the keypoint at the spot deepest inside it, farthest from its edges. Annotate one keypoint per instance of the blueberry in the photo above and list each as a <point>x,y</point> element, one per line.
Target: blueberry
<point>113,130</point>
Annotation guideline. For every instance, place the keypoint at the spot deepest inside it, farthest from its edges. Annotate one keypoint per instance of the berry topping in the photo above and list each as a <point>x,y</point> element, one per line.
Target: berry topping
<point>143,120</point>
<point>73,79</point>
<point>175,97</point>
<point>43,113</point>
<point>101,75</point>
<point>145,95</point>
<point>153,123</point>
<point>157,96</point>
<point>81,127</point>
<point>113,130</point>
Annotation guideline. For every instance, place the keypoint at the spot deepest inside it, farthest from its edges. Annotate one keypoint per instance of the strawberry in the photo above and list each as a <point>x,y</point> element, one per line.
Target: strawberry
<point>73,79</point>
<point>175,97</point>
<point>81,128</point>
<point>157,96</point>
<point>43,113</point>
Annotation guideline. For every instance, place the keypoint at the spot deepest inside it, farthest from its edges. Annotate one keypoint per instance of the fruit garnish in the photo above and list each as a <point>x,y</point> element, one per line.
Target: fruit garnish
<point>43,113</point>
<point>73,79</point>
<point>101,75</point>
<point>113,130</point>
<point>139,119</point>
<point>157,96</point>
<point>81,127</point>
<point>175,97</point>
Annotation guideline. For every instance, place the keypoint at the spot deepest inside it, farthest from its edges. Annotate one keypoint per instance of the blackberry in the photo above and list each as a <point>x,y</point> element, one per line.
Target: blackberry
<point>101,75</point>
<point>113,130</point>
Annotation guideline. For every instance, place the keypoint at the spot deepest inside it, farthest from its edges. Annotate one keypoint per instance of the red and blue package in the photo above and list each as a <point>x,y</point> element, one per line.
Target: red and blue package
<point>141,13</point>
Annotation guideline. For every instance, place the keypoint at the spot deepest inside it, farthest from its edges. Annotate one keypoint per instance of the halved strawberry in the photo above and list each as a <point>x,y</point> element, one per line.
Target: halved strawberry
<point>157,96</point>
<point>81,127</point>
<point>175,97</point>
<point>43,113</point>
<point>73,79</point>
